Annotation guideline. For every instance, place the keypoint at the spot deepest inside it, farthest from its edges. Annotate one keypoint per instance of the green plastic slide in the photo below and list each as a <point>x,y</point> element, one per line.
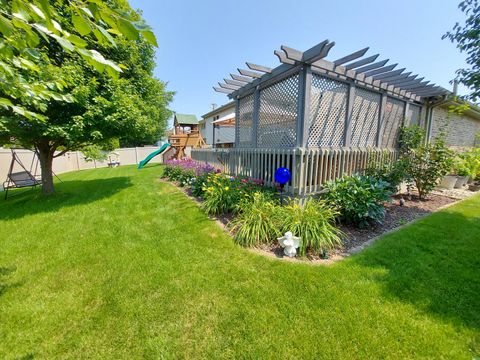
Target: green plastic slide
<point>153,154</point>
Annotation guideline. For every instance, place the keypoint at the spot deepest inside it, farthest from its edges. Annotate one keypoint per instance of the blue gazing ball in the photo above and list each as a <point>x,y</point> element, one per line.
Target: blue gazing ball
<point>282,176</point>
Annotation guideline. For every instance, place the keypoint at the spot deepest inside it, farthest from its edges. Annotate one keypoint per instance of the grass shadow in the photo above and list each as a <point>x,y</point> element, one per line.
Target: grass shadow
<point>433,265</point>
<point>68,193</point>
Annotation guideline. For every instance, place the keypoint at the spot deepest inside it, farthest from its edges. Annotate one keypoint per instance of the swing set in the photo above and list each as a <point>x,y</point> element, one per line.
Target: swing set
<point>24,178</point>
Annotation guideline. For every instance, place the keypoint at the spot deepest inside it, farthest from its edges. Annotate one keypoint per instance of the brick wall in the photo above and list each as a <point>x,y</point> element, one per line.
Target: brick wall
<point>460,129</point>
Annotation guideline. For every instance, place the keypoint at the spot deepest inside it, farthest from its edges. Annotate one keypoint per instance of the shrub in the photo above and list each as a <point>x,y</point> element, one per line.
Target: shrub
<point>222,193</point>
<point>394,174</point>
<point>313,223</point>
<point>256,221</point>
<point>471,162</point>
<point>424,163</point>
<point>359,199</point>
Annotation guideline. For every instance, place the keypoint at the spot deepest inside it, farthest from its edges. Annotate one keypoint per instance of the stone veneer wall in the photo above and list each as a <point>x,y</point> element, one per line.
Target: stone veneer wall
<point>461,129</point>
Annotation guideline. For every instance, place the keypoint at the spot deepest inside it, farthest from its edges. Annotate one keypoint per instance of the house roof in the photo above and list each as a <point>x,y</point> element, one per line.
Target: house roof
<point>219,109</point>
<point>187,119</point>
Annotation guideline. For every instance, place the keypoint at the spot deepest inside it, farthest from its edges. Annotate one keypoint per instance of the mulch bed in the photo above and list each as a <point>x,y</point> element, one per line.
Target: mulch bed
<point>396,215</point>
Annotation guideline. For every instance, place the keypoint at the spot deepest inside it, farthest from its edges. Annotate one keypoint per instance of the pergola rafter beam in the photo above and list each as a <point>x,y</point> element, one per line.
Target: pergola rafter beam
<point>249,73</point>
<point>391,79</point>
<point>373,66</point>
<point>404,78</point>
<point>388,74</point>
<point>234,82</point>
<point>362,62</point>
<point>407,83</point>
<point>350,57</point>
<point>380,70</point>
<point>317,52</point>
<point>241,78</point>
<point>260,68</point>
<point>292,54</point>
<point>282,57</point>
<point>222,90</point>
<point>230,87</point>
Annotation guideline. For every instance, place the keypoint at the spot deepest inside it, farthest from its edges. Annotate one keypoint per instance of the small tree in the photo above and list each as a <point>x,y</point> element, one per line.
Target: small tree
<point>424,163</point>
<point>466,37</point>
<point>131,107</point>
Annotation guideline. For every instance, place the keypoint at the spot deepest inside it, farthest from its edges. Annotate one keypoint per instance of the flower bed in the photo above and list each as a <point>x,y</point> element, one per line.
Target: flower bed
<point>354,210</point>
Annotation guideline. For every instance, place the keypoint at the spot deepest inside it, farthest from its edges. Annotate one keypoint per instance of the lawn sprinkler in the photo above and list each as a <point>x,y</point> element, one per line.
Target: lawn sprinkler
<point>282,176</point>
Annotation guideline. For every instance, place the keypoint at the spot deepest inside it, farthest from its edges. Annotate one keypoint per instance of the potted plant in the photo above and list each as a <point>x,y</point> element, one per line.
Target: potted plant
<point>462,171</point>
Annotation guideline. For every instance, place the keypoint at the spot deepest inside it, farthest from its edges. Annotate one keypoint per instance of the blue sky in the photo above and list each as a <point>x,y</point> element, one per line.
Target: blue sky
<point>201,42</point>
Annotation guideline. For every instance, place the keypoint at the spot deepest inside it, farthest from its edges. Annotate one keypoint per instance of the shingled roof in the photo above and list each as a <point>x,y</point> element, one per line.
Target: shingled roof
<point>185,119</point>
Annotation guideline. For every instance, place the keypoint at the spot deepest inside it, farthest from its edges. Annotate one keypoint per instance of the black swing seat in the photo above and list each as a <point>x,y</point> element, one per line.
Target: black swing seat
<point>23,179</point>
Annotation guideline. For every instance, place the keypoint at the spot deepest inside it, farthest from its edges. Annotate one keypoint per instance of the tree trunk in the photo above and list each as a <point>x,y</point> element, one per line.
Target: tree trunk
<point>45,155</point>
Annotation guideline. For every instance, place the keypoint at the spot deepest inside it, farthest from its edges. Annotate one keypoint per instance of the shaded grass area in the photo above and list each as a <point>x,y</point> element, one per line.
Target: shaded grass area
<point>120,265</point>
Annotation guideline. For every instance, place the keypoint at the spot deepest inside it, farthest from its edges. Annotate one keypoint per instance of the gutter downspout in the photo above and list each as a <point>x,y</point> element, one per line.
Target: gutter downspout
<point>429,117</point>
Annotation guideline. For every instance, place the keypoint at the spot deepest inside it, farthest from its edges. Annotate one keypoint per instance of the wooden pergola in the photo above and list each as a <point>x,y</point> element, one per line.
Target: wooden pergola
<point>286,94</point>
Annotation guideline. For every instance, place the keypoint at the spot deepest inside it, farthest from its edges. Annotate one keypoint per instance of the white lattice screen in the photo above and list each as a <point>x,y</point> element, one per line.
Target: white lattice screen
<point>413,116</point>
<point>277,125</point>
<point>392,120</point>
<point>365,118</point>
<point>328,108</point>
<point>245,121</point>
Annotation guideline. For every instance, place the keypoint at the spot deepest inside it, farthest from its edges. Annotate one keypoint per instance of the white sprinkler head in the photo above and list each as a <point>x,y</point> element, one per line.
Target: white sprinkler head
<point>290,243</point>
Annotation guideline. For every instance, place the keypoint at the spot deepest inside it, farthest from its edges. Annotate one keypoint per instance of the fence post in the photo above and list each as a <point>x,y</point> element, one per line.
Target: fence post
<point>136,156</point>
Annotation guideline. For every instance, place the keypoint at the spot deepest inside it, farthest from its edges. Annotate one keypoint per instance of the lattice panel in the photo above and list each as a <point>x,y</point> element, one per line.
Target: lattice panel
<point>328,109</point>
<point>413,115</point>
<point>245,121</point>
<point>365,118</point>
<point>392,120</point>
<point>277,126</point>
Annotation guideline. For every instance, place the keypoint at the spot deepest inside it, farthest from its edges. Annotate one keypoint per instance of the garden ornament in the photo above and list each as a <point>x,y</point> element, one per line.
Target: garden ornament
<point>290,243</point>
<point>282,176</point>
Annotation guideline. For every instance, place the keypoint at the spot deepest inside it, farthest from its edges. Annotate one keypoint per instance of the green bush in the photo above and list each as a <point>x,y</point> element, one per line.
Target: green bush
<point>470,163</point>
<point>425,163</point>
<point>394,174</point>
<point>222,193</point>
<point>313,223</point>
<point>257,220</point>
<point>359,199</point>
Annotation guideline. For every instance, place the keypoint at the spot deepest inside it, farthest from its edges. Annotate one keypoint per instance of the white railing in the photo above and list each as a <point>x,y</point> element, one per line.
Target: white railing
<point>310,168</point>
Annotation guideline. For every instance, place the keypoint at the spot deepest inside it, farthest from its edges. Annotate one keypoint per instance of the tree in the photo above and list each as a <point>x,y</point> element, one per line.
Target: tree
<point>467,39</point>
<point>93,106</point>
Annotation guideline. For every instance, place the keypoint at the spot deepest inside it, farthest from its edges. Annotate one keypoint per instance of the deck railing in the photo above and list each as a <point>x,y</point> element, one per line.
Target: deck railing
<point>310,168</point>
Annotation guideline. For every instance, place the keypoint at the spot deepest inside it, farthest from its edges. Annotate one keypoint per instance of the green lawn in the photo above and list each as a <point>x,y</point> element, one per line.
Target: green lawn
<point>118,265</point>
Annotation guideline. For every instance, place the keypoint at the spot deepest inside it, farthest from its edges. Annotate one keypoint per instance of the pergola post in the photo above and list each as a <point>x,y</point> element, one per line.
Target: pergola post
<point>255,117</point>
<point>405,113</point>
<point>237,123</point>
<point>303,112</point>
<point>348,117</point>
<point>381,116</point>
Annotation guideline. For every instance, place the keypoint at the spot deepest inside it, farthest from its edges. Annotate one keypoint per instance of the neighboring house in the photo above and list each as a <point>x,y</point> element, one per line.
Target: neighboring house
<point>461,129</point>
<point>218,126</point>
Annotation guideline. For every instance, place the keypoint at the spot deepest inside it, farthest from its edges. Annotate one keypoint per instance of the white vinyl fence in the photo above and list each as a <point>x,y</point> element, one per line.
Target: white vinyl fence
<point>73,161</point>
<point>310,168</point>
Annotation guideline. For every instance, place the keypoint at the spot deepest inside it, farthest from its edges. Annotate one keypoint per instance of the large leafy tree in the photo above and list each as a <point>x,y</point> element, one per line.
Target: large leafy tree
<point>81,100</point>
<point>467,38</point>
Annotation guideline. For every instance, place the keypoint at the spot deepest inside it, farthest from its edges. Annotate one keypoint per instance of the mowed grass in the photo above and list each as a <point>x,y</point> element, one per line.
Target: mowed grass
<point>118,265</point>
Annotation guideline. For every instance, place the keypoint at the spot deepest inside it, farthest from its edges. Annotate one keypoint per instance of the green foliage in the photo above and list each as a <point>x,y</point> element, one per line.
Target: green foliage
<point>256,222</point>
<point>359,199</point>
<point>314,223</point>
<point>466,36</point>
<point>222,193</point>
<point>81,28</point>
<point>131,107</point>
<point>468,163</point>
<point>393,174</point>
<point>424,163</point>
